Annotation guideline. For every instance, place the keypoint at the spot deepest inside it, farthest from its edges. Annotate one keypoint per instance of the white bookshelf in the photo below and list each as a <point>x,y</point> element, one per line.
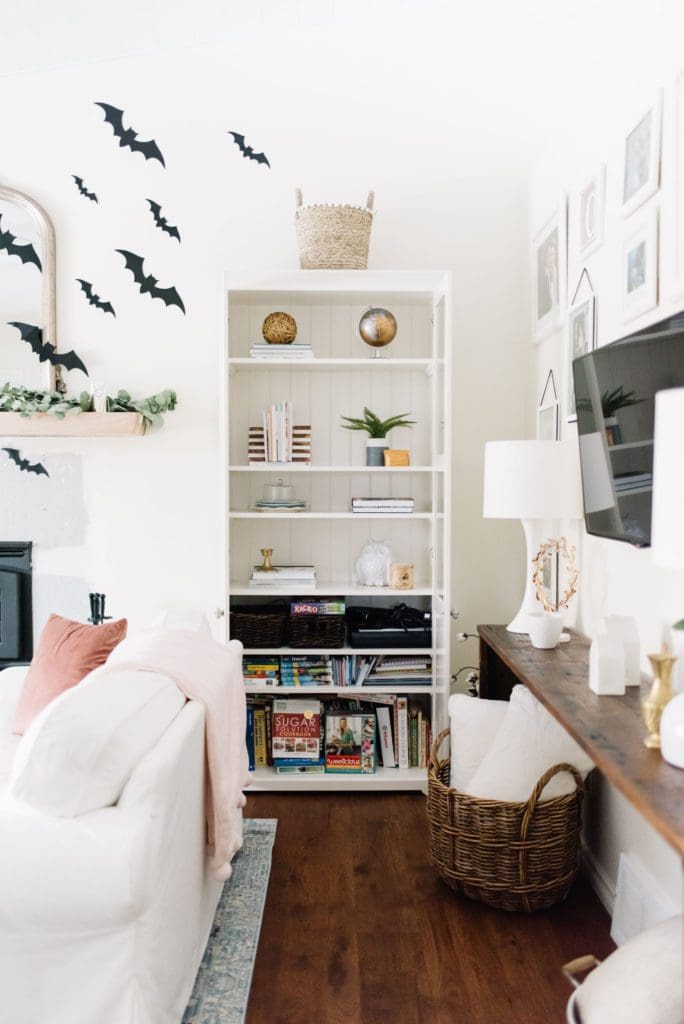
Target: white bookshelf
<point>412,376</point>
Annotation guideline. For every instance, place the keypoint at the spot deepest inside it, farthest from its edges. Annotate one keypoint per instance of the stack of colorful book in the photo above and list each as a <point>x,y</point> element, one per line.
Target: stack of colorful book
<point>377,506</point>
<point>261,670</point>
<point>306,670</point>
<point>265,350</point>
<point>283,575</point>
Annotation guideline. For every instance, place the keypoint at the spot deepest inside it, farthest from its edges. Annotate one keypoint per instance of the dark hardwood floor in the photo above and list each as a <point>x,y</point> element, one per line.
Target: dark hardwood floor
<point>358,928</point>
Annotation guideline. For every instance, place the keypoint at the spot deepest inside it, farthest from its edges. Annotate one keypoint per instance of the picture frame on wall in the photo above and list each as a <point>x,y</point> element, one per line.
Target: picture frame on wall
<point>580,338</point>
<point>549,272</point>
<point>641,168</point>
<point>678,286</point>
<point>548,412</point>
<point>640,266</point>
<point>591,213</point>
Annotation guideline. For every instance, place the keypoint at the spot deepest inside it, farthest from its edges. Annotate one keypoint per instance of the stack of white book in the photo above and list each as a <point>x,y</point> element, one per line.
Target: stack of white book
<point>379,505</point>
<point>283,576</point>
<point>264,350</point>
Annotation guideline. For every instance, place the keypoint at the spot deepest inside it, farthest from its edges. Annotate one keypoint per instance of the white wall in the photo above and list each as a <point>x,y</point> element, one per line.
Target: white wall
<point>616,578</point>
<point>339,105</point>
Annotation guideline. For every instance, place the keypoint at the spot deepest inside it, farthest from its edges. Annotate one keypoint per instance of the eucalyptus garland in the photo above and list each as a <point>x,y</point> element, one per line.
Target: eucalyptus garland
<point>28,402</point>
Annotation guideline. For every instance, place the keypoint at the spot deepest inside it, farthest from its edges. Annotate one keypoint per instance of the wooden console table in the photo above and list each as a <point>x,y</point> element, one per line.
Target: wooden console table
<point>609,729</point>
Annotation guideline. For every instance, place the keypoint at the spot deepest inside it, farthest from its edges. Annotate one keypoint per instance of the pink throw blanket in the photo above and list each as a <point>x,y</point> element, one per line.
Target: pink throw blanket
<point>211,673</point>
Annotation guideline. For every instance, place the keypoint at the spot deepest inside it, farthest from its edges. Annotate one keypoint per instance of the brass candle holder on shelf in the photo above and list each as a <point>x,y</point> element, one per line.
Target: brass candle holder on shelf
<point>660,694</point>
<point>267,565</point>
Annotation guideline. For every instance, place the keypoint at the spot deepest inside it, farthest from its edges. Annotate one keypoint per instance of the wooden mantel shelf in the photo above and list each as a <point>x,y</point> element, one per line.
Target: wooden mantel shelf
<point>610,729</point>
<point>83,424</point>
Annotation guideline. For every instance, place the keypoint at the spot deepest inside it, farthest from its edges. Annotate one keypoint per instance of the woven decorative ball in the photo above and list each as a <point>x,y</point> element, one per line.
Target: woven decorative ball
<point>279,329</point>
<point>378,327</point>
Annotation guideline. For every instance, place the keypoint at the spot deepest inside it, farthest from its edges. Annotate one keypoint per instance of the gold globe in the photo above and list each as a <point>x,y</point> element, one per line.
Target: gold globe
<point>377,327</point>
<point>279,329</point>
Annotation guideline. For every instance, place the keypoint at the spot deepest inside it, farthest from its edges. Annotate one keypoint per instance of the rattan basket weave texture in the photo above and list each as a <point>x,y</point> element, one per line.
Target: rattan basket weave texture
<point>264,627</point>
<point>316,630</point>
<point>514,856</point>
<point>333,236</point>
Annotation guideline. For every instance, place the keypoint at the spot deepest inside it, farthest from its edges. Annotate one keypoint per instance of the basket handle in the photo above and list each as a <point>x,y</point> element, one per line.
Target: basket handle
<point>298,197</point>
<point>579,966</point>
<point>538,789</point>
<point>370,200</point>
<point>435,762</point>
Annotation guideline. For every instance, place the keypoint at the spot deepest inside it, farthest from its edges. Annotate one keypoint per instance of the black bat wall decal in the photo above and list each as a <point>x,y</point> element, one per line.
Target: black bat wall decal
<point>147,283</point>
<point>127,137</point>
<point>82,189</point>
<point>26,253</point>
<point>46,352</point>
<point>24,465</point>
<point>94,299</point>
<point>162,222</point>
<point>247,151</point>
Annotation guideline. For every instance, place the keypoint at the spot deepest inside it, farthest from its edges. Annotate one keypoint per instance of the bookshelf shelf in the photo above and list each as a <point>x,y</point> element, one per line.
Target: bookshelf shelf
<point>329,515</point>
<point>291,467</point>
<point>383,779</point>
<point>413,376</point>
<point>326,589</point>
<point>328,365</point>
<point>342,691</point>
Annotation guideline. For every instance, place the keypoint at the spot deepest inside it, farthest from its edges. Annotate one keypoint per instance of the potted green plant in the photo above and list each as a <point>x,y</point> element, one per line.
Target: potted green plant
<point>377,430</point>
<point>612,400</point>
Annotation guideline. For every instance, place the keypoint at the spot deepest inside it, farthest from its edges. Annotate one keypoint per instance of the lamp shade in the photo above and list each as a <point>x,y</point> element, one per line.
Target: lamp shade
<point>532,480</point>
<point>668,480</point>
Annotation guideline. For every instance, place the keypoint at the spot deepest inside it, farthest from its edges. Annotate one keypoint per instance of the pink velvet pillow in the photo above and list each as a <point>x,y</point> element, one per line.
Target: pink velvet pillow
<point>67,652</point>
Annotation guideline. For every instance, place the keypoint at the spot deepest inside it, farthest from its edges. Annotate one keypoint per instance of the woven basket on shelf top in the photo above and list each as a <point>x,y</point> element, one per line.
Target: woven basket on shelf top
<point>514,856</point>
<point>333,236</point>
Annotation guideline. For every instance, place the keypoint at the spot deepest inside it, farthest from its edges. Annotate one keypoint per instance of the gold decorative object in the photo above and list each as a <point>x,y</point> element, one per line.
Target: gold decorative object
<point>566,551</point>
<point>267,565</point>
<point>279,329</point>
<point>396,456</point>
<point>401,576</point>
<point>660,695</point>
<point>377,327</point>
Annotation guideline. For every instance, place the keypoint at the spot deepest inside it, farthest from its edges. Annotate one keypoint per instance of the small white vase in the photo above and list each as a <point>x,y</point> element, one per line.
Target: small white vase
<point>672,731</point>
<point>545,629</point>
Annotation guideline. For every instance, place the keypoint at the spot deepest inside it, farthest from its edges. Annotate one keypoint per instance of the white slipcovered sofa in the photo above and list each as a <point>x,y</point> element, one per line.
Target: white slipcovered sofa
<point>104,916</point>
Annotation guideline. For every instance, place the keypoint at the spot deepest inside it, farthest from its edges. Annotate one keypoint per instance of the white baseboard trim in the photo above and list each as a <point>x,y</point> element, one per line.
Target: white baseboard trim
<point>598,879</point>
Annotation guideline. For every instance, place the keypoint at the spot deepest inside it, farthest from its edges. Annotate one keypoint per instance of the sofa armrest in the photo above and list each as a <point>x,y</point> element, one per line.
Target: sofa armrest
<point>67,874</point>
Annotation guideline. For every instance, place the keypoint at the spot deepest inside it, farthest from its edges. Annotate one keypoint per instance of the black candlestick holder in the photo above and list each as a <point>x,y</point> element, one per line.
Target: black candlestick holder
<point>97,609</point>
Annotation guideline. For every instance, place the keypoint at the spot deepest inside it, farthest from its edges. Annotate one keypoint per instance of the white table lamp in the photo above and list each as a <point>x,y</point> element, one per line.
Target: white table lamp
<point>531,480</point>
<point>667,536</point>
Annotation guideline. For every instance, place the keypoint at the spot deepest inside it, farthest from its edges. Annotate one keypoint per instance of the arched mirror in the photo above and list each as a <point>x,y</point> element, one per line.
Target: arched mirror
<point>27,291</point>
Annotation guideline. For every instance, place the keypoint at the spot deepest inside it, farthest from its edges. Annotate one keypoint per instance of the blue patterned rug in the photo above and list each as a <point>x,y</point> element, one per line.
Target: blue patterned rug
<point>223,981</point>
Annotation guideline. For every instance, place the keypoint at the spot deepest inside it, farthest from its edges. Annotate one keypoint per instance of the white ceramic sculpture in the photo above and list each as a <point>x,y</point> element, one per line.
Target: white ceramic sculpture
<point>372,565</point>
<point>623,628</point>
<point>607,666</point>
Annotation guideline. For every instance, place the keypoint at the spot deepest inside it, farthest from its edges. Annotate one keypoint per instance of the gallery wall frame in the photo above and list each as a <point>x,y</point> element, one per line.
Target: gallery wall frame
<point>550,271</point>
<point>580,335</point>
<point>591,213</point>
<point>641,160</point>
<point>639,272</point>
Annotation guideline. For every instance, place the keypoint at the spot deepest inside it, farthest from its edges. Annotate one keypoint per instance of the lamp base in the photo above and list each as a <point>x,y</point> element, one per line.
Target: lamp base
<point>520,622</point>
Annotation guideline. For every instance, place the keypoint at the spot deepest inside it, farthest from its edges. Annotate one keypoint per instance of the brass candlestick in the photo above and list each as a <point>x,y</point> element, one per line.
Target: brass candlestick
<point>661,692</point>
<point>267,566</point>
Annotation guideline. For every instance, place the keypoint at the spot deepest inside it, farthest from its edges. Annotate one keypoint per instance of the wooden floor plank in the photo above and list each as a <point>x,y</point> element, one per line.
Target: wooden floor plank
<point>358,928</point>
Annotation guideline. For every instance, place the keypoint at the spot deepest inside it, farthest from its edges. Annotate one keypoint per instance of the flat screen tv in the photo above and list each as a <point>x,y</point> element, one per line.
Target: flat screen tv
<point>615,389</point>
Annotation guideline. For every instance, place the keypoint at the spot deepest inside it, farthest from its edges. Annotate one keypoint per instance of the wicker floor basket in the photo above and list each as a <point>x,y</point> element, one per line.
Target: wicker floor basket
<point>515,856</point>
<point>333,237</point>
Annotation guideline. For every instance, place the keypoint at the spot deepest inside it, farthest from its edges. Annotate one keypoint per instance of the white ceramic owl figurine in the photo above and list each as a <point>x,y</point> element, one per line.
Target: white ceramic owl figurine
<point>372,565</point>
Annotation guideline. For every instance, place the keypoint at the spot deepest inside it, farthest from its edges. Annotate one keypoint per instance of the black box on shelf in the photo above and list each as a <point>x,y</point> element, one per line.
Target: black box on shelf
<point>400,626</point>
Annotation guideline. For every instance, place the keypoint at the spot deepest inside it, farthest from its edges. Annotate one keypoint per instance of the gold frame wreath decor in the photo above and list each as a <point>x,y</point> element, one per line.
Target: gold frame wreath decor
<point>566,551</point>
